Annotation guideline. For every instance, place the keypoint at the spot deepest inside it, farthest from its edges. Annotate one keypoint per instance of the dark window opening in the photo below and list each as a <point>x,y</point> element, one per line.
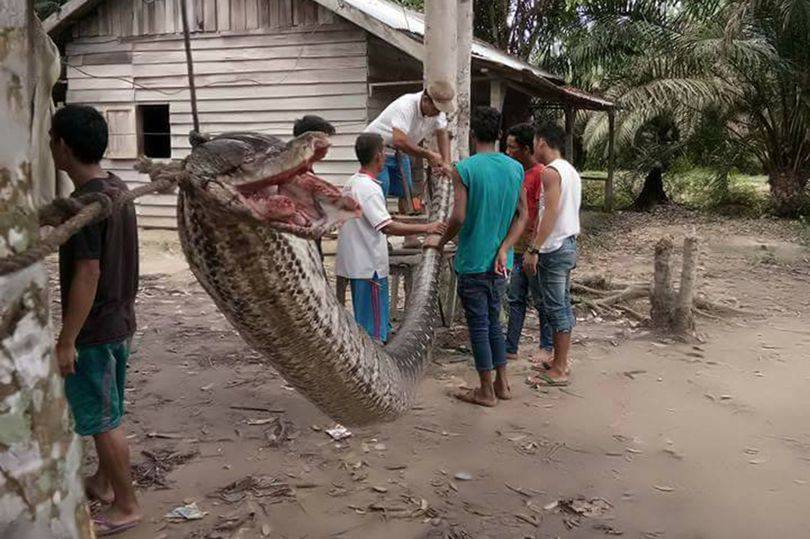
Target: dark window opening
<point>155,137</point>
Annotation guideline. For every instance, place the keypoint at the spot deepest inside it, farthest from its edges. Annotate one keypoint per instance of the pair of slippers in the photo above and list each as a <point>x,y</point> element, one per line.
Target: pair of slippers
<point>104,527</point>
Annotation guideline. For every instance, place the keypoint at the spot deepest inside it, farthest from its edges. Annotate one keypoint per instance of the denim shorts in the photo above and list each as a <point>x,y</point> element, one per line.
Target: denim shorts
<point>554,271</point>
<point>391,176</point>
<point>95,392</point>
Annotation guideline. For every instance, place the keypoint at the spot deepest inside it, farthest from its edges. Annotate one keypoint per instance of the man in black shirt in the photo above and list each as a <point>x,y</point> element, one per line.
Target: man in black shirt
<point>308,123</point>
<point>98,276</point>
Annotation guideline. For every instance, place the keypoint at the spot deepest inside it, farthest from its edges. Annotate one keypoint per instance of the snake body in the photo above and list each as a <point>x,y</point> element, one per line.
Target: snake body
<point>271,287</point>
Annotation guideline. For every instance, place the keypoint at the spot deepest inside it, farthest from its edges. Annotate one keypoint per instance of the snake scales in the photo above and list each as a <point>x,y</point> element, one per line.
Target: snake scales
<point>267,278</point>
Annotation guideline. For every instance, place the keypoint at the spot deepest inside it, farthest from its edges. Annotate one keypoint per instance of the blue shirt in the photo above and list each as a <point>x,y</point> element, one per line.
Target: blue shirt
<point>493,182</point>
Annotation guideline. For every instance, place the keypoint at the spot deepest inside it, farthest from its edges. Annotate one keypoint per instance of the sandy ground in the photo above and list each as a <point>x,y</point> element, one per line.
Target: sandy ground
<point>653,439</point>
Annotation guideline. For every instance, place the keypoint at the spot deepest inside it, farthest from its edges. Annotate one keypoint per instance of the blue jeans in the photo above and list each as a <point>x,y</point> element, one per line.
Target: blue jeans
<point>390,177</point>
<point>480,295</point>
<point>521,288</point>
<point>554,272</point>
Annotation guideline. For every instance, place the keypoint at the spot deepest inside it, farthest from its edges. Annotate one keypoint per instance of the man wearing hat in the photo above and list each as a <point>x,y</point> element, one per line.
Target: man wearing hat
<point>403,125</point>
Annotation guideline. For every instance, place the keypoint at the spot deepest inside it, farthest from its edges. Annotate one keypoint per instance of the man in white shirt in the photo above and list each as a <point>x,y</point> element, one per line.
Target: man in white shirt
<point>553,254</point>
<point>405,123</point>
<point>362,252</point>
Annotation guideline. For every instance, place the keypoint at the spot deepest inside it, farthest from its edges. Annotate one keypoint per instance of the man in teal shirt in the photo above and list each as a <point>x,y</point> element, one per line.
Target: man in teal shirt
<point>489,215</point>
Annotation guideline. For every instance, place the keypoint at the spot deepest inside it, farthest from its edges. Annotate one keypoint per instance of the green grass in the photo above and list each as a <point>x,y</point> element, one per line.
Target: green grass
<point>742,195</point>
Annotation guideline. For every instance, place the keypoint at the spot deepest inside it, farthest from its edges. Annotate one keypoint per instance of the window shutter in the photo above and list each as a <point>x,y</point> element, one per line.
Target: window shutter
<point>123,143</point>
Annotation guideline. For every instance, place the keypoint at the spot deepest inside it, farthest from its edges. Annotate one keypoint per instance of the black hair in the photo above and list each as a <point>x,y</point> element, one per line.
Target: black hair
<point>83,129</point>
<point>485,123</point>
<point>310,122</point>
<point>367,146</point>
<point>553,134</point>
<point>524,134</point>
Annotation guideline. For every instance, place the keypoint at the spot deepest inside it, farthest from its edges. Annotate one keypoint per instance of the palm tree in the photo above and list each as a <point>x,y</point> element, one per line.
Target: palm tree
<point>672,63</point>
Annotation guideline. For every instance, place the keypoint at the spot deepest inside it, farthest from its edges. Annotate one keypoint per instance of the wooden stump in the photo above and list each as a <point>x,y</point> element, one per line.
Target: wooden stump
<point>683,320</point>
<point>670,311</point>
<point>661,292</point>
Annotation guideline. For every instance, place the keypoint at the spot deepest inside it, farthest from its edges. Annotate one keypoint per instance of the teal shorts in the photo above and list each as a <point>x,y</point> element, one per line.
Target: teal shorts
<point>95,392</point>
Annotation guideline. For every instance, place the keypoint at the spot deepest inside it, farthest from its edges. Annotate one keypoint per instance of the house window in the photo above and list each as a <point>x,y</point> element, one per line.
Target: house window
<point>154,131</point>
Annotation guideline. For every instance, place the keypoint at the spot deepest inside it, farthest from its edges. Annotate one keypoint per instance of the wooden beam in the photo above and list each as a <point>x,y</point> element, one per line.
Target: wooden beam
<point>570,113</point>
<point>69,11</point>
<point>497,93</point>
<point>611,160</point>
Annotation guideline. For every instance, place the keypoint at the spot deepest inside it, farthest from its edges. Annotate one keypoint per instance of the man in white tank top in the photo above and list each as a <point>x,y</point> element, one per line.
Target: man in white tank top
<point>554,252</point>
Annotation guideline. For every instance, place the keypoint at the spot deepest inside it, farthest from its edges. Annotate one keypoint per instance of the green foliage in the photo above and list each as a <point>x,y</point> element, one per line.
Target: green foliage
<point>44,8</point>
<point>729,77</point>
<point>416,5</point>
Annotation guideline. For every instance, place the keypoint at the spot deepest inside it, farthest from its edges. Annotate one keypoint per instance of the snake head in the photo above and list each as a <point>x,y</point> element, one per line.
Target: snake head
<point>271,182</point>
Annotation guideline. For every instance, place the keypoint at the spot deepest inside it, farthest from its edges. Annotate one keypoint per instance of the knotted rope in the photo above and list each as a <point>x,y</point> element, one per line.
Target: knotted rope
<point>69,215</point>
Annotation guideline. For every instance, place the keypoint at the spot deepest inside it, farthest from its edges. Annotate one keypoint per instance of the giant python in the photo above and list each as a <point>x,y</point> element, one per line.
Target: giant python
<point>248,208</point>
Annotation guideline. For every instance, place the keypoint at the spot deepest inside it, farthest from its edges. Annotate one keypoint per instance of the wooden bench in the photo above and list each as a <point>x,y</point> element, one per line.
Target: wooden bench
<point>402,264</point>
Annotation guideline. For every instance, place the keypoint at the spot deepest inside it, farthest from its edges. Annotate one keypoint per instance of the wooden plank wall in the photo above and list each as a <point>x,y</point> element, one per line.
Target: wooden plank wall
<point>248,78</point>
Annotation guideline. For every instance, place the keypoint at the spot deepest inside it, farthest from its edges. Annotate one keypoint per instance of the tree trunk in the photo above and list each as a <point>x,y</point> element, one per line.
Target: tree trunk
<point>788,192</point>
<point>461,146</point>
<point>40,492</point>
<point>441,41</point>
<point>652,194</point>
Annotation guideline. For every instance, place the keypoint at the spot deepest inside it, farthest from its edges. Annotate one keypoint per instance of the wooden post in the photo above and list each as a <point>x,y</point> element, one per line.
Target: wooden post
<point>661,292</point>
<point>570,112</point>
<point>461,140</point>
<point>611,160</point>
<point>497,93</point>
<point>190,66</point>
<point>683,321</point>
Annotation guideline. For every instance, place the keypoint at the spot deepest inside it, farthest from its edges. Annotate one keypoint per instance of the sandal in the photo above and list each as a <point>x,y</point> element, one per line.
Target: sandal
<point>103,527</point>
<point>545,380</point>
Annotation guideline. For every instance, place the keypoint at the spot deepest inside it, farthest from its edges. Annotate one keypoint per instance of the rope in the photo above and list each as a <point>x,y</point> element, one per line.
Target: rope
<point>71,215</point>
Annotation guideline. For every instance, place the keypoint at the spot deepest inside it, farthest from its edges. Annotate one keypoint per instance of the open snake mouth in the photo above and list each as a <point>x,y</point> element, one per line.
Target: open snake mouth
<point>298,198</point>
<point>275,183</point>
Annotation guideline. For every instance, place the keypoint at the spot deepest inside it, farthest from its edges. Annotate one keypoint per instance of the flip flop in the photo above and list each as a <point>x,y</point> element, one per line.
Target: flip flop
<point>543,366</point>
<point>469,396</point>
<point>547,381</point>
<point>104,528</point>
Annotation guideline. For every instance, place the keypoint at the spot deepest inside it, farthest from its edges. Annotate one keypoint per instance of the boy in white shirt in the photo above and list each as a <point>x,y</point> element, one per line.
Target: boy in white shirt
<point>362,252</point>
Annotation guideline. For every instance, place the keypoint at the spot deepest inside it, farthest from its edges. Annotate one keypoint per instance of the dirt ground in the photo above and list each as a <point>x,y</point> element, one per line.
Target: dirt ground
<point>653,438</point>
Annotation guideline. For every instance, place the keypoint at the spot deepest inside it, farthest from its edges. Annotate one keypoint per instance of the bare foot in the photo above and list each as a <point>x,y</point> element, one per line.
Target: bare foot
<point>502,389</point>
<point>476,396</point>
<point>96,491</point>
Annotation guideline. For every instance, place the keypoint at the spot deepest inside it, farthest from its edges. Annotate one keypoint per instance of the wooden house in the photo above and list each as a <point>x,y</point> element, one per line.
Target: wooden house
<point>259,65</point>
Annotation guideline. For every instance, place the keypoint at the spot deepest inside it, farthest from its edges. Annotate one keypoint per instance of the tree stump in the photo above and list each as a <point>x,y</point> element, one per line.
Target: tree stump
<point>670,311</point>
